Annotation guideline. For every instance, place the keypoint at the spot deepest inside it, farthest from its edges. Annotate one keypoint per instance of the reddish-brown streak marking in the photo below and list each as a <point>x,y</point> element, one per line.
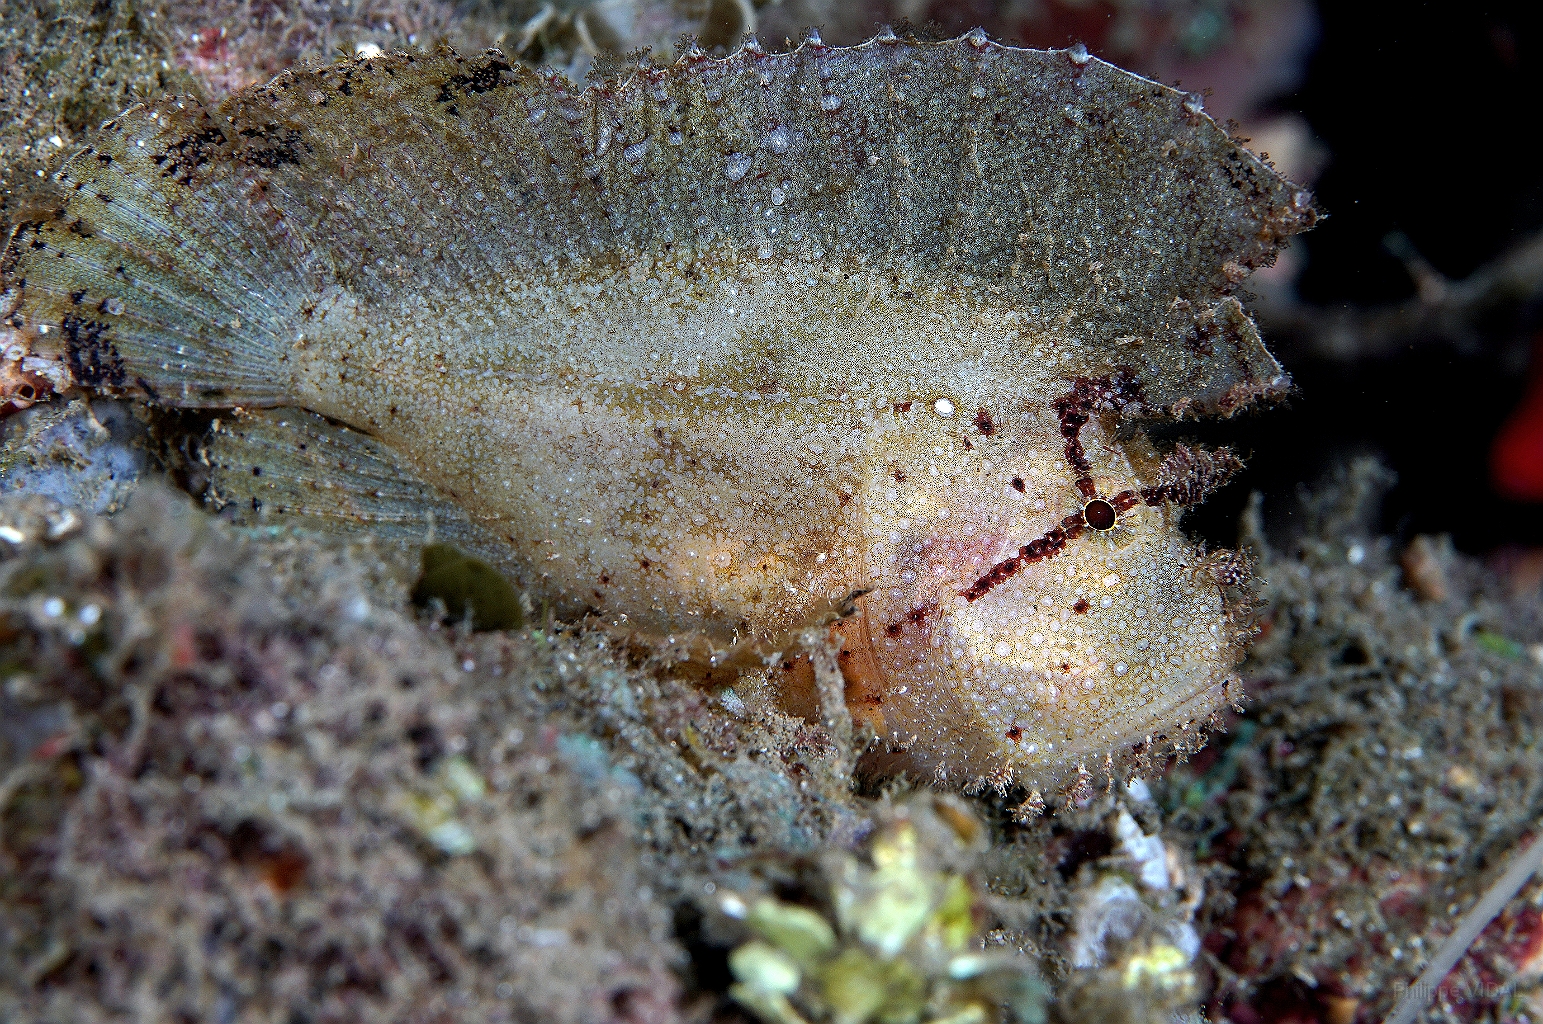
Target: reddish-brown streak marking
<point>1073,409</point>
<point>999,573</point>
<point>1015,734</point>
<point>1018,484</point>
<point>915,617</point>
<point>1081,606</point>
<point>984,423</point>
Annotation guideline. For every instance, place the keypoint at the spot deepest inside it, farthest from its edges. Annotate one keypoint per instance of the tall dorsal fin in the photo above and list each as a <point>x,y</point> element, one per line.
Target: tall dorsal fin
<point>198,248</point>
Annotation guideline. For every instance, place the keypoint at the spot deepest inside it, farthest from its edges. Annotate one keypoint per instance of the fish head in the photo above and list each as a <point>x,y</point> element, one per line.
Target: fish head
<point>1003,641</point>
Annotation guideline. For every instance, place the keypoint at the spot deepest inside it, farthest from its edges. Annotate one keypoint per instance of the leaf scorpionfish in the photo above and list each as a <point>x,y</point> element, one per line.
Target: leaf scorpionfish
<point>867,338</point>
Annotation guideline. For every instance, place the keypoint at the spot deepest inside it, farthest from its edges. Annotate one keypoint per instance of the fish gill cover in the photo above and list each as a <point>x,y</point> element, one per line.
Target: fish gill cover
<point>721,351</point>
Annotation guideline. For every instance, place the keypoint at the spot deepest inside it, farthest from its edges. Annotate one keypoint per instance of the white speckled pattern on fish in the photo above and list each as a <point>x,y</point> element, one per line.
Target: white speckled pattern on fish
<point>713,347</point>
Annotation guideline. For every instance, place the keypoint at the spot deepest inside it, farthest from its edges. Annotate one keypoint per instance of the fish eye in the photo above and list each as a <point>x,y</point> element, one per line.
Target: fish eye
<point>1099,515</point>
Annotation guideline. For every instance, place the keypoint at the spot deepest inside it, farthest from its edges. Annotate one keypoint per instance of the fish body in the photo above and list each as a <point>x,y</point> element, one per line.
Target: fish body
<point>707,350</point>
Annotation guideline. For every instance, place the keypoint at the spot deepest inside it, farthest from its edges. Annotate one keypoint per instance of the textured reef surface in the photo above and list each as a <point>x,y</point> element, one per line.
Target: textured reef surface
<point>242,776</point>
<point>253,769</point>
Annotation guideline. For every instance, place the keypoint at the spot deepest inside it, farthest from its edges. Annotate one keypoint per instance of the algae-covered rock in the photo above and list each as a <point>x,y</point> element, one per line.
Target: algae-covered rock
<point>84,455</point>
<point>233,786</point>
<point>1383,776</point>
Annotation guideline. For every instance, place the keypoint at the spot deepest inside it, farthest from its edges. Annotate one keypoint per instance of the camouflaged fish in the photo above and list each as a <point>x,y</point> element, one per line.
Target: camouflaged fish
<point>708,351</point>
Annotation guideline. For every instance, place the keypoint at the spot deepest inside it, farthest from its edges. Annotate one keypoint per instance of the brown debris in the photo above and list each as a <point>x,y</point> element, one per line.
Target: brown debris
<point>1425,567</point>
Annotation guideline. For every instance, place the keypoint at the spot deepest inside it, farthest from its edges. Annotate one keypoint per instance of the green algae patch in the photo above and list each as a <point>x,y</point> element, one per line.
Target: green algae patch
<point>469,588</point>
<point>1497,643</point>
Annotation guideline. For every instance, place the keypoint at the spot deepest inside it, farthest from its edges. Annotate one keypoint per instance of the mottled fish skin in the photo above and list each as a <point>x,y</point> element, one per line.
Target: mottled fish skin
<point>714,346</point>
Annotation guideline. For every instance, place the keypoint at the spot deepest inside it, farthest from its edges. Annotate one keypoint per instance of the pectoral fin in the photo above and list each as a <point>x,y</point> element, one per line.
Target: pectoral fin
<point>295,468</point>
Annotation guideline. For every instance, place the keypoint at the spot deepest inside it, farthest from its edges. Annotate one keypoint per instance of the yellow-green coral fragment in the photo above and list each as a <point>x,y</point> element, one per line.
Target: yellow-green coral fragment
<point>434,811</point>
<point>714,352</point>
<point>905,949</point>
<point>1161,967</point>
<point>764,968</point>
<point>799,930</point>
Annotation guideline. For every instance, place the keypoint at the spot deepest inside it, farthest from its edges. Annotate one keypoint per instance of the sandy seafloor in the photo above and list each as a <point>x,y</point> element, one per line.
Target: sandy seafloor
<point>242,777</point>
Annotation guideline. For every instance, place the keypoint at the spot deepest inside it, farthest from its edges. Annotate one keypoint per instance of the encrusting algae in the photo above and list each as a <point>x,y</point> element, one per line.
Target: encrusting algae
<point>853,338</point>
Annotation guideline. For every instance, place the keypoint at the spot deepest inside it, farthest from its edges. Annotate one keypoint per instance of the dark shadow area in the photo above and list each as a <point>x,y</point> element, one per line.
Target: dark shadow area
<point>1425,110</point>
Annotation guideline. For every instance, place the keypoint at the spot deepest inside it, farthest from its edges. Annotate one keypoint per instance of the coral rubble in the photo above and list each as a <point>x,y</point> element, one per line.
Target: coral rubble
<point>1383,775</point>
